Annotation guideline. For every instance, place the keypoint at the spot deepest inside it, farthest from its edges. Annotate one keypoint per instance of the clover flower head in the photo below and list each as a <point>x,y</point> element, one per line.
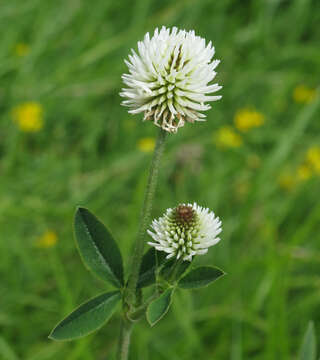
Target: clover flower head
<point>185,231</point>
<point>169,78</point>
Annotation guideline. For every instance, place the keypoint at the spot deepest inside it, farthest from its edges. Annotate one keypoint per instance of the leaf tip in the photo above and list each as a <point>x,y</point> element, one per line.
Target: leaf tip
<point>151,322</point>
<point>52,336</point>
<point>80,210</point>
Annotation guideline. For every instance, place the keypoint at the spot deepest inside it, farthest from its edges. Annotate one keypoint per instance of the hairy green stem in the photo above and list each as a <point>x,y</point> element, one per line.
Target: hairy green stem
<point>124,340</point>
<point>145,217</point>
<point>175,269</point>
<point>131,293</point>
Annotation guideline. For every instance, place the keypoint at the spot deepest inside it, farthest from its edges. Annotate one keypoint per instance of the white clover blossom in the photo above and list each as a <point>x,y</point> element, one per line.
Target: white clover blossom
<point>169,78</point>
<point>185,231</point>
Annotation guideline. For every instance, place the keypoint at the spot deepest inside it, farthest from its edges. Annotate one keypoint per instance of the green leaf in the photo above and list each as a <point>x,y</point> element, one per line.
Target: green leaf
<point>150,261</point>
<point>159,307</point>
<point>200,276</point>
<point>97,247</point>
<point>309,346</point>
<point>87,318</point>
<point>168,269</point>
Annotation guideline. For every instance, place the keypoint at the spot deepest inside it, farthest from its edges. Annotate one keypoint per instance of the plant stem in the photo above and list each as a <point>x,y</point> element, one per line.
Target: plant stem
<point>130,298</point>
<point>145,217</point>
<point>175,269</point>
<point>124,340</point>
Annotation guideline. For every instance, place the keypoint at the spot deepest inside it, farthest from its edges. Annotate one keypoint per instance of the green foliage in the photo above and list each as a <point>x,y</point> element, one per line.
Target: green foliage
<point>98,250</point>
<point>173,270</point>
<point>151,260</point>
<point>308,349</point>
<point>199,277</point>
<point>159,307</point>
<point>87,318</point>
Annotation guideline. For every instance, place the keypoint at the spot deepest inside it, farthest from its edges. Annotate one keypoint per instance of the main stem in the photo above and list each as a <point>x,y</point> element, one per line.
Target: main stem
<point>124,340</point>
<point>145,217</point>
<point>130,297</point>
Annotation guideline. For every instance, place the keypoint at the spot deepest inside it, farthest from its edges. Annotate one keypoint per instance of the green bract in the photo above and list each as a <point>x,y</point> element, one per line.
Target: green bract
<point>159,307</point>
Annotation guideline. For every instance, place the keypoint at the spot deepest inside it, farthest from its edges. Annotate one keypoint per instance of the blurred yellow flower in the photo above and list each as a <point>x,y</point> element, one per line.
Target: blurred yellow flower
<point>253,161</point>
<point>28,116</point>
<point>226,137</point>
<point>303,94</point>
<point>146,144</point>
<point>313,158</point>
<point>245,119</point>
<point>242,188</point>
<point>22,49</point>
<point>304,172</point>
<point>287,181</point>
<point>47,240</point>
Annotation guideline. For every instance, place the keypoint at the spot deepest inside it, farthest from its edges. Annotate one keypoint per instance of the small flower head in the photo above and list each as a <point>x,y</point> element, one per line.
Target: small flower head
<point>226,137</point>
<point>169,78</point>
<point>47,240</point>
<point>146,144</point>
<point>185,231</point>
<point>313,158</point>
<point>28,117</point>
<point>246,119</point>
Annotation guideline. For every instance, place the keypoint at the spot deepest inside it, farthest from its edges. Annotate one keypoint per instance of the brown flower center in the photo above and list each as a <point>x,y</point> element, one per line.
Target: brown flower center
<point>184,215</point>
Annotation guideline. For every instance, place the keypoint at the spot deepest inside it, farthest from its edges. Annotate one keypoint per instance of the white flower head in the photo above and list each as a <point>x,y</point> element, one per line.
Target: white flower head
<point>169,78</point>
<point>185,231</point>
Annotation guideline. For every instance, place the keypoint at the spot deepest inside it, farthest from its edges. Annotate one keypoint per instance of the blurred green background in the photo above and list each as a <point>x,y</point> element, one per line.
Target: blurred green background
<point>66,141</point>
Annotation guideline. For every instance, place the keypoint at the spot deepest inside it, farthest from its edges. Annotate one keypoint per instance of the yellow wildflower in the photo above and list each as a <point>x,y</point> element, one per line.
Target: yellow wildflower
<point>304,172</point>
<point>226,137</point>
<point>21,49</point>
<point>146,144</point>
<point>287,181</point>
<point>303,94</point>
<point>313,158</point>
<point>28,117</point>
<point>47,240</point>
<point>245,119</point>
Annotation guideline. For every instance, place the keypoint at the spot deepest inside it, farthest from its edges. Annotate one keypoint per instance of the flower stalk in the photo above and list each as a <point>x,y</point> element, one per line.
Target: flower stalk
<point>130,295</point>
<point>145,217</point>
